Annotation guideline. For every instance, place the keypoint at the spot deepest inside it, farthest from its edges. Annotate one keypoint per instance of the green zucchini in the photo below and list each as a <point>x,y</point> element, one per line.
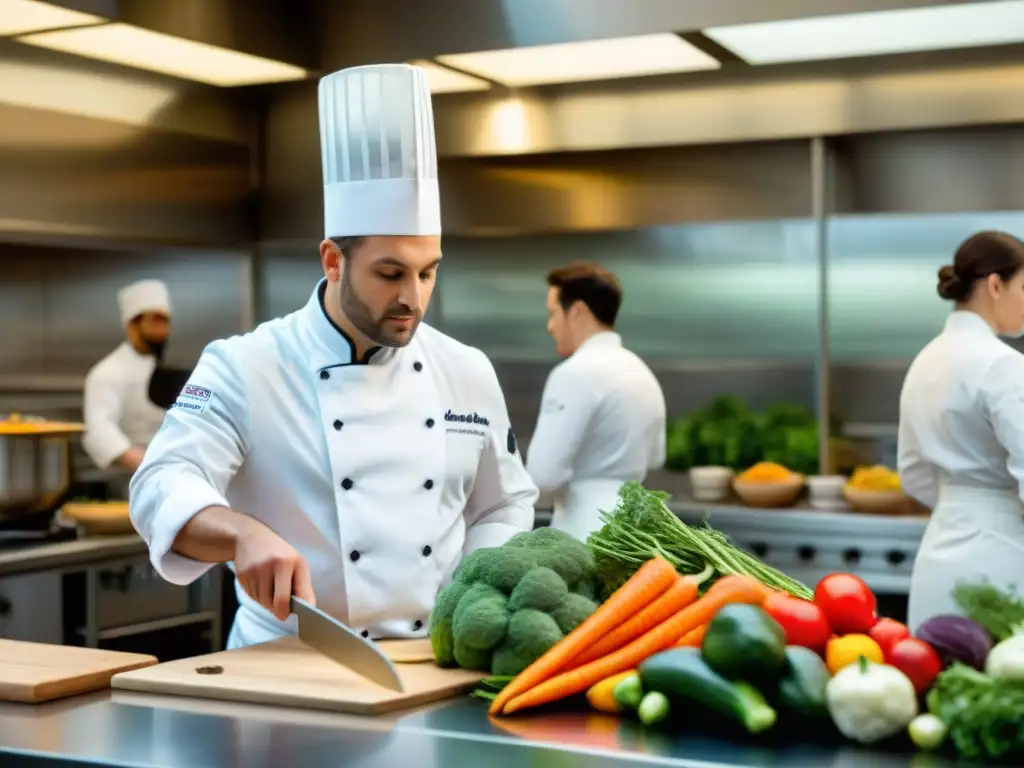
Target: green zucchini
<point>803,682</point>
<point>744,643</point>
<point>682,675</point>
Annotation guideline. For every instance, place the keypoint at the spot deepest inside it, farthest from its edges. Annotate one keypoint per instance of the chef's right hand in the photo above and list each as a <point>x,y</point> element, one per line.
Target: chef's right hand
<point>270,570</point>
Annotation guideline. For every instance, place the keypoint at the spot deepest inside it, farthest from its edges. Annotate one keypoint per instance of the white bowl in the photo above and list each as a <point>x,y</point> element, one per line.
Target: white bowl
<point>711,483</point>
<point>826,491</point>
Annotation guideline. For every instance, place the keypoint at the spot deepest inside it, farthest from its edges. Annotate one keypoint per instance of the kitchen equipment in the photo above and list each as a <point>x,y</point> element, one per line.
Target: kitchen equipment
<point>286,672</point>
<point>38,672</point>
<point>826,491</point>
<point>711,483</point>
<point>777,493</point>
<point>99,518</point>
<point>337,642</point>
<point>35,461</point>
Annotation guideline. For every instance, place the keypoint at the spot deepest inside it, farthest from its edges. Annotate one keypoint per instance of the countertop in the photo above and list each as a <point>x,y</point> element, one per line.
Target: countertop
<point>132,730</point>
<point>67,554</point>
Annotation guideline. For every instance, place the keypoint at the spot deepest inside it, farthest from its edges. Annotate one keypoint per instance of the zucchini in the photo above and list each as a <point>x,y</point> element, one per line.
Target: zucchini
<point>744,643</point>
<point>803,682</point>
<point>682,675</point>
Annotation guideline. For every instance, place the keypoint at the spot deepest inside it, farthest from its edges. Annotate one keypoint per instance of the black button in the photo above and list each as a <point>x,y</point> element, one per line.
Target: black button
<point>417,625</point>
<point>354,555</point>
<point>338,424</point>
<point>417,366</point>
<point>325,375</point>
<point>430,423</point>
<point>429,484</point>
<point>365,633</point>
<point>427,551</point>
<point>347,483</point>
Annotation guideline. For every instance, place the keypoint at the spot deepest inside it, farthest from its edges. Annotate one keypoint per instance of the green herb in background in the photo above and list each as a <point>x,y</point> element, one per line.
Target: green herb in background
<point>1000,613</point>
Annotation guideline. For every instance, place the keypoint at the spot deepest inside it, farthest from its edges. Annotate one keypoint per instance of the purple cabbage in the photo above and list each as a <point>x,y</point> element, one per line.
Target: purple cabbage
<point>956,638</point>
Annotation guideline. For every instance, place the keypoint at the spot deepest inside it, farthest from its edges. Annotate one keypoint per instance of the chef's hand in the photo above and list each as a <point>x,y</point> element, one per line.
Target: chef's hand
<point>271,571</point>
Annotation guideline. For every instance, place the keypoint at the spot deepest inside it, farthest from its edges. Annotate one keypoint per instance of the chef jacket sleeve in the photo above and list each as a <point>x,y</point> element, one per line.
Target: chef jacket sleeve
<point>1003,394</point>
<point>566,407</point>
<point>917,476</point>
<point>191,461</point>
<point>501,503</point>
<point>102,402</point>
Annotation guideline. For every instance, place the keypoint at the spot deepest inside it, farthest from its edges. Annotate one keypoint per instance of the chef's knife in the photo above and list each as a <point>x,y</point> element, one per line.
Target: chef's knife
<point>324,633</point>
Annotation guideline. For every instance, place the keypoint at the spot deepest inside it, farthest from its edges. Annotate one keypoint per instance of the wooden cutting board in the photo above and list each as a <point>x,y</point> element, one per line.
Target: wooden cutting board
<point>287,673</point>
<point>38,672</point>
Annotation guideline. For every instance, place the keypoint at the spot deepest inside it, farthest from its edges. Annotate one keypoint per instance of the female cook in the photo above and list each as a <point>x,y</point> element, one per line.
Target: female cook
<point>961,431</point>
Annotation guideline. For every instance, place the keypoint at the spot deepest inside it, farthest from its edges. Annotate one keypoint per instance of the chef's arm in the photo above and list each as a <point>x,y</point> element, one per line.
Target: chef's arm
<point>103,440</point>
<point>1003,404</point>
<point>917,477</point>
<point>501,504</point>
<point>177,500</point>
<point>566,407</point>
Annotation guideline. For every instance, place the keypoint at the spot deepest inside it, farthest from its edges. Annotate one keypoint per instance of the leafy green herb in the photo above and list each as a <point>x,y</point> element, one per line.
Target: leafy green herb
<point>1001,613</point>
<point>985,715</point>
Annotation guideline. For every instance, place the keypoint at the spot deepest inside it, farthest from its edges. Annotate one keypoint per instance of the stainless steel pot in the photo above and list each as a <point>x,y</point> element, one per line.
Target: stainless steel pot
<point>35,465</point>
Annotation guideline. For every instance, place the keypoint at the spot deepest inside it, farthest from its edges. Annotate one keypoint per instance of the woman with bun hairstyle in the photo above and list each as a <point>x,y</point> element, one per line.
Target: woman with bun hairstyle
<point>961,431</point>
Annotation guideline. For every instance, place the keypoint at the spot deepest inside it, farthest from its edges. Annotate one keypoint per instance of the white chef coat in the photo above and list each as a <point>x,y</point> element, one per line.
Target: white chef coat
<point>961,452</point>
<point>382,473</point>
<point>601,423</point>
<point>117,411</point>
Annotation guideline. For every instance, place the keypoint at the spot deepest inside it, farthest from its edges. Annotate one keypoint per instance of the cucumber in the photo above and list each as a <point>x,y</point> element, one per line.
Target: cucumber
<point>682,675</point>
<point>803,682</point>
<point>744,643</point>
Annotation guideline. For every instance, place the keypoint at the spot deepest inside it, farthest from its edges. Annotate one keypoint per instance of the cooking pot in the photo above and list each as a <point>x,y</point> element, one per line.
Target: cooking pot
<point>35,464</point>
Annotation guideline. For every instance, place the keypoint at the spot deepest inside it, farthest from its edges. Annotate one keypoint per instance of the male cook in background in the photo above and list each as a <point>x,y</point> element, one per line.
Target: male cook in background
<point>602,414</point>
<point>345,452</point>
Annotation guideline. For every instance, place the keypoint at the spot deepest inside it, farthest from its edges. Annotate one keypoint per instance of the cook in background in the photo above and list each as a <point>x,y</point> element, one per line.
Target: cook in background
<point>961,430</point>
<point>602,413</point>
<point>345,453</point>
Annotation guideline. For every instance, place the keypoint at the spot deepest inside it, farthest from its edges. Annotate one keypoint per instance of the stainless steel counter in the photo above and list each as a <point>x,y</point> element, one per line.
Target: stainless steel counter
<point>68,554</point>
<point>131,730</point>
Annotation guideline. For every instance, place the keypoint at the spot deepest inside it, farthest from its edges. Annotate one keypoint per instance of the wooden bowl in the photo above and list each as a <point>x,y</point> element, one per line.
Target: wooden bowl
<point>875,502</point>
<point>101,518</point>
<point>781,493</point>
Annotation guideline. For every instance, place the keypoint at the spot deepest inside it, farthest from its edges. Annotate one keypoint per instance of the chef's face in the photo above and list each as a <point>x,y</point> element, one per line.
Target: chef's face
<point>385,285</point>
<point>152,330</point>
<point>1007,301</point>
<point>559,324</point>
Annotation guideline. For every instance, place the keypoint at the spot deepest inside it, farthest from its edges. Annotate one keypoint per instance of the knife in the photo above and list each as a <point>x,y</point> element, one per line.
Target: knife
<point>340,644</point>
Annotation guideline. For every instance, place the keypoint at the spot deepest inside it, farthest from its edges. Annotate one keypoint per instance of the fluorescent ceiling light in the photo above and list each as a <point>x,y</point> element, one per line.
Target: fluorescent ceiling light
<point>590,60</point>
<point>444,80</point>
<point>143,49</point>
<point>968,25</point>
<point>18,17</point>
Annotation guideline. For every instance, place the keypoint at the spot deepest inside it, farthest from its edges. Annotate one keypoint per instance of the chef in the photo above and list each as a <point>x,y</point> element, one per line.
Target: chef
<point>346,453</point>
<point>128,392</point>
<point>602,413</point>
<point>961,430</point>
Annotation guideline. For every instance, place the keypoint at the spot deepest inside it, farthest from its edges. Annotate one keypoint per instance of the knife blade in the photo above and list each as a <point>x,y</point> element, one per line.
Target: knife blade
<point>340,644</point>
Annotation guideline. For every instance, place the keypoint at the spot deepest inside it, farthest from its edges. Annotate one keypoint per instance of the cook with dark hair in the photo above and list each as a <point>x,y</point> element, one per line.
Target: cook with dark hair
<point>961,430</point>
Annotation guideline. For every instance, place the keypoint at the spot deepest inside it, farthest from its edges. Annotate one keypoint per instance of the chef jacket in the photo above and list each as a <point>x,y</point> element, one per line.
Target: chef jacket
<point>601,423</point>
<point>117,411</point>
<point>381,472</point>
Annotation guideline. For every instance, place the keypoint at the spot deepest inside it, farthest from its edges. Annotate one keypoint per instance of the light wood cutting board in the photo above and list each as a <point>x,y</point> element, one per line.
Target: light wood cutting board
<point>38,672</point>
<point>287,673</point>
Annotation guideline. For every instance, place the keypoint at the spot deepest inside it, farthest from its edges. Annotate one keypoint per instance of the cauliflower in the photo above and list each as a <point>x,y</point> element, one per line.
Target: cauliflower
<point>506,606</point>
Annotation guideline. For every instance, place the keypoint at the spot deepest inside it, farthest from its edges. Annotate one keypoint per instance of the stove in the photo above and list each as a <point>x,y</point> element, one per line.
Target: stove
<point>34,530</point>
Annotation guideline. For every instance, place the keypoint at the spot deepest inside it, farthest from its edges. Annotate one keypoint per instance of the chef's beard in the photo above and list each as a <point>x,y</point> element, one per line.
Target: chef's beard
<point>374,328</point>
<point>156,348</point>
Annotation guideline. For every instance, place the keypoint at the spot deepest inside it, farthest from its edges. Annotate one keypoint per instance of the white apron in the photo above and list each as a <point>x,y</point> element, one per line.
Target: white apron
<point>578,508</point>
<point>975,534</point>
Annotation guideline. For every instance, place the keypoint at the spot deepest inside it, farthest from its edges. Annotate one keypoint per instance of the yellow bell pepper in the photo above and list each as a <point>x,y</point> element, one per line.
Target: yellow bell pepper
<point>600,697</point>
<point>843,651</point>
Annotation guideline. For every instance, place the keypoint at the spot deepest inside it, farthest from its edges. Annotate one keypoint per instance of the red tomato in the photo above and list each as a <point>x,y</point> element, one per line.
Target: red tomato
<point>887,632</point>
<point>917,660</point>
<point>804,622</point>
<point>849,605</point>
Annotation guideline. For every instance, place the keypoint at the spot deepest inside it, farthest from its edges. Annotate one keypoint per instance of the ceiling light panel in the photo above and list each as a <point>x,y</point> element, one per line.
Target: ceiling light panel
<point>638,56</point>
<point>143,49</point>
<point>934,28</point>
<point>444,80</point>
<point>19,17</point>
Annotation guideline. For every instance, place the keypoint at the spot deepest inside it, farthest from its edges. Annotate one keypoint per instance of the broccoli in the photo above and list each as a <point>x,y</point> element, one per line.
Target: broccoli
<point>506,606</point>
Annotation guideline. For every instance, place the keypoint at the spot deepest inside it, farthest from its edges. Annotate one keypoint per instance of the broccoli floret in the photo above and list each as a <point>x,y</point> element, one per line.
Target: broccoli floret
<point>573,610</point>
<point>506,567</point>
<point>565,562</point>
<point>530,635</point>
<point>442,640</point>
<point>473,564</point>
<point>541,588</point>
<point>586,588</point>
<point>481,618</point>
<point>472,658</point>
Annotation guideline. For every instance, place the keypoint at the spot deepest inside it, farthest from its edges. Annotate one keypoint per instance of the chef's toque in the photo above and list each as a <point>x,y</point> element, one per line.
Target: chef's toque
<point>378,151</point>
<point>143,296</point>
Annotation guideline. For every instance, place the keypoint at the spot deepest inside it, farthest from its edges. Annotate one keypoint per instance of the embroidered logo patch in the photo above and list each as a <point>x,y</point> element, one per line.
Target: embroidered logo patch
<point>193,399</point>
<point>466,418</point>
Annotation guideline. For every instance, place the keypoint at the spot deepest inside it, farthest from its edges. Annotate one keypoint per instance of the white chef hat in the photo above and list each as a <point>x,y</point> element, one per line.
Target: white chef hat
<point>378,151</point>
<point>143,296</point>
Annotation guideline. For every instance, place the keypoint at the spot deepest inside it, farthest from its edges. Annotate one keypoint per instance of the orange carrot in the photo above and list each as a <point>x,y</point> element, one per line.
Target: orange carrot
<point>652,579</point>
<point>693,639</point>
<point>673,600</point>
<point>729,589</point>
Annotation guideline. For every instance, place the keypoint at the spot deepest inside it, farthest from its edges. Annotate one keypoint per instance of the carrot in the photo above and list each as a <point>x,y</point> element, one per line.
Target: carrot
<point>674,599</point>
<point>693,639</point>
<point>729,589</point>
<point>649,582</point>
